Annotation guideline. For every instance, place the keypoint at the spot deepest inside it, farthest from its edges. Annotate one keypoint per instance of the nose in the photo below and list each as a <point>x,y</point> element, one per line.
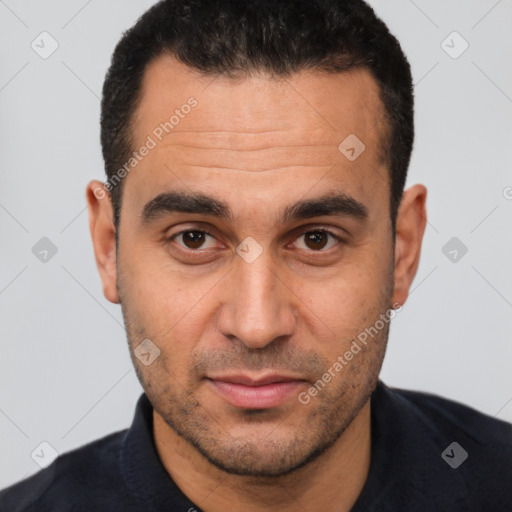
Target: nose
<point>258,306</point>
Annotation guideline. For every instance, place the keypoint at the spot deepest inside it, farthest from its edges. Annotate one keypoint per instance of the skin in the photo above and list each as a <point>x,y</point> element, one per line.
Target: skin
<point>259,144</point>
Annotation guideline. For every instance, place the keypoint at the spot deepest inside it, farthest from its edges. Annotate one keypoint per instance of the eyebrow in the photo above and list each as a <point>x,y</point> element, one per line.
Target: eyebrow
<point>334,204</point>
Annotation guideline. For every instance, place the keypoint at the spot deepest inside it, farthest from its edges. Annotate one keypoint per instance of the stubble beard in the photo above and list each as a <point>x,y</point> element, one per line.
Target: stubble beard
<point>330,414</point>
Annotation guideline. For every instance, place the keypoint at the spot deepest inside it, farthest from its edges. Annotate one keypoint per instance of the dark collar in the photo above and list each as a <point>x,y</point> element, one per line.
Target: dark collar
<point>141,467</point>
<point>406,465</point>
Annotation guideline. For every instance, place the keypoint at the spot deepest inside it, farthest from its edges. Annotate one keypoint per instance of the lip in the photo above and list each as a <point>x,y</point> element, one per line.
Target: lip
<point>263,392</point>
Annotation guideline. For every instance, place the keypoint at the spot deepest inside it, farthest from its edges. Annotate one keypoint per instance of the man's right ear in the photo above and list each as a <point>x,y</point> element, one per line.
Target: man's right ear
<point>101,225</point>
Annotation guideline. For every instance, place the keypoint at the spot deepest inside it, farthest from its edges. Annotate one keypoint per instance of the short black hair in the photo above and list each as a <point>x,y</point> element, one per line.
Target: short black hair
<point>278,37</point>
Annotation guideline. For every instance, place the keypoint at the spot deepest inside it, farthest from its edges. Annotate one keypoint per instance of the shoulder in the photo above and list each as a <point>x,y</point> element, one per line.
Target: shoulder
<point>460,452</point>
<point>66,484</point>
<point>453,417</point>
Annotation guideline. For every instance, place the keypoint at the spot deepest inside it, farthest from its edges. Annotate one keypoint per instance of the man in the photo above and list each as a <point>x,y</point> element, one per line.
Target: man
<point>255,230</point>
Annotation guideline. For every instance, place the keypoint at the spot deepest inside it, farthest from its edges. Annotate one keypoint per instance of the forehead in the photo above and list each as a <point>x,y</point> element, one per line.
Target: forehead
<point>257,131</point>
<point>326,104</point>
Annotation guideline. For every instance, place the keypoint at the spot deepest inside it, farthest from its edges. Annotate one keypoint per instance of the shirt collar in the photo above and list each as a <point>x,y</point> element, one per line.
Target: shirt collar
<point>141,467</point>
<point>406,467</point>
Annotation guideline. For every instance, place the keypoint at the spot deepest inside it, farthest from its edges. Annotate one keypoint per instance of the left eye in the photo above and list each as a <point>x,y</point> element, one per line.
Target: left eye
<point>318,240</point>
<point>193,239</point>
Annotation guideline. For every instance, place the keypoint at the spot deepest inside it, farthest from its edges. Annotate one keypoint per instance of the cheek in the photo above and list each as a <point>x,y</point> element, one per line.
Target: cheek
<point>168,302</point>
<point>353,299</point>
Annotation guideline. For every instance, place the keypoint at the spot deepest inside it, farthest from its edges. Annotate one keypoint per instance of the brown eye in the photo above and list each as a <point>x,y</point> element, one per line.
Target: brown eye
<point>318,240</point>
<point>192,239</point>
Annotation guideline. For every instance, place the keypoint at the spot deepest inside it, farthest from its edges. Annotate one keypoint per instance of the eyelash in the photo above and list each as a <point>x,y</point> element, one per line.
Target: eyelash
<point>206,232</point>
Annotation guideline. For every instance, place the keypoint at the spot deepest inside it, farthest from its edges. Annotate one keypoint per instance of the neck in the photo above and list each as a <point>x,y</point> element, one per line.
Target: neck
<point>332,482</point>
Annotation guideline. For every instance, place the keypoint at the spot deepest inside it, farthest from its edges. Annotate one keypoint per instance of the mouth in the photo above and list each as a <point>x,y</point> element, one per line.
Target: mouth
<point>263,392</point>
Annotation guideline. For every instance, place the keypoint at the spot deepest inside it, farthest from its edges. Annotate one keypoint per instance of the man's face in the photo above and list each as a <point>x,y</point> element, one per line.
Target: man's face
<point>226,310</point>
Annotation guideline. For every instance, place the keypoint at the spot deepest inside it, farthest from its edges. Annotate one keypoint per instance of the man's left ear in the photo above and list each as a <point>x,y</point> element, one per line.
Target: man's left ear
<point>101,226</point>
<point>410,226</point>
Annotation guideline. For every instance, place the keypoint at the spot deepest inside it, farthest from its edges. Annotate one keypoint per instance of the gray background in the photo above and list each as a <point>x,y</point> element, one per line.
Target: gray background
<point>65,373</point>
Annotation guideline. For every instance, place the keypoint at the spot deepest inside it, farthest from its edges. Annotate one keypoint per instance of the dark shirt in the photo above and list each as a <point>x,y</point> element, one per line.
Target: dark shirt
<point>411,464</point>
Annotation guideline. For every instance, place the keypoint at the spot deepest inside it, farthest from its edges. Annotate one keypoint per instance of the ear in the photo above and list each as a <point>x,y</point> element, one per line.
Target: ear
<point>101,225</point>
<point>410,226</point>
